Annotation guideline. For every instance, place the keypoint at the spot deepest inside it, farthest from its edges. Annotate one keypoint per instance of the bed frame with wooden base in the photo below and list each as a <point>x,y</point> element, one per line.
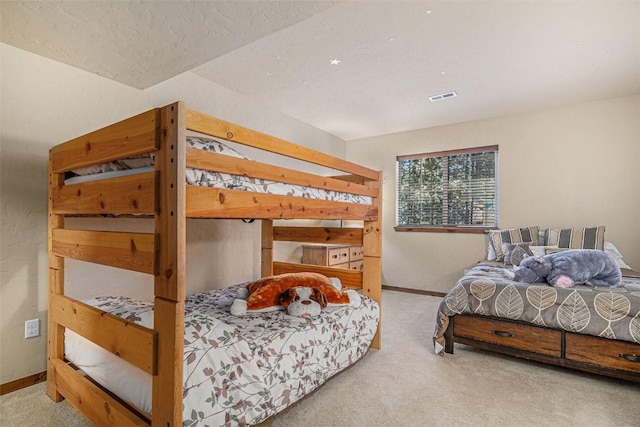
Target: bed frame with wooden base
<point>613,358</point>
<point>163,195</point>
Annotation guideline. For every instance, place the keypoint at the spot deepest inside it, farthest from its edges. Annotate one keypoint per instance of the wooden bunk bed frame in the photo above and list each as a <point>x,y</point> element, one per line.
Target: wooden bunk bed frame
<point>164,195</point>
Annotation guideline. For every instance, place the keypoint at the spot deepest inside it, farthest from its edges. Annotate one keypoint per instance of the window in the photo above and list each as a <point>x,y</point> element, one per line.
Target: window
<point>448,189</point>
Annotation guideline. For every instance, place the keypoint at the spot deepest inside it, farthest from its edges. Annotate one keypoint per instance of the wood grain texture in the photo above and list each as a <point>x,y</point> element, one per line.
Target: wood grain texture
<point>524,337</point>
<point>586,353</point>
<point>94,403</point>
<point>166,398</point>
<point>131,251</point>
<point>21,383</point>
<point>603,352</point>
<point>130,137</point>
<point>250,168</point>
<point>164,194</point>
<point>170,220</point>
<point>125,195</point>
<point>127,340</point>
<point>215,127</point>
<point>266,254</point>
<point>324,235</point>
<point>170,280</point>
<point>372,258</point>
<point>55,285</point>
<point>204,202</point>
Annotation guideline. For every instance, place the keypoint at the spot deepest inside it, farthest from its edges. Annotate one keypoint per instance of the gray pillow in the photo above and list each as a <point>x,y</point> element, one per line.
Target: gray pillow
<point>516,252</point>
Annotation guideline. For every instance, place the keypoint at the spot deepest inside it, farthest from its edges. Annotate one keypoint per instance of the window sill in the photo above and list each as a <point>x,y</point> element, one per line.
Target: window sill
<point>444,229</point>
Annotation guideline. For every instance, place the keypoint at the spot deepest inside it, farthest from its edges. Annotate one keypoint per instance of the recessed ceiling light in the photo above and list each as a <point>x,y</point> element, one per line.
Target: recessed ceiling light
<point>442,96</point>
<point>334,61</point>
<point>428,11</point>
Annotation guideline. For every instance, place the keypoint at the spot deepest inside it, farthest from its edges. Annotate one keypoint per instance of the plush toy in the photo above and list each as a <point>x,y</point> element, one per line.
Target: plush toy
<point>568,268</point>
<point>303,302</point>
<point>263,295</point>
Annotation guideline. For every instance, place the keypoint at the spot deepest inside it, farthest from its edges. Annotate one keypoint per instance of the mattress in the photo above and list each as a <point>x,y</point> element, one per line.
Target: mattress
<point>242,369</point>
<point>488,289</point>
<point>204,178</point>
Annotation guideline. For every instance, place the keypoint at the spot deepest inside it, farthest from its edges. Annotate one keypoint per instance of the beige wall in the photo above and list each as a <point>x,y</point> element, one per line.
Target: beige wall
<point>567,167</point>
<point>44,103</point>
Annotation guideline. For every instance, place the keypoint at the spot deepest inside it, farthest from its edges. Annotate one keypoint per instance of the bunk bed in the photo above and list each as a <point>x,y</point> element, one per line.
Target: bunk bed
<point>164,192</point>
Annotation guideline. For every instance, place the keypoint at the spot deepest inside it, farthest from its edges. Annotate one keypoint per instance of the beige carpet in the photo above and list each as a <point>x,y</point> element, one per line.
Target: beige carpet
<point>405,384</point>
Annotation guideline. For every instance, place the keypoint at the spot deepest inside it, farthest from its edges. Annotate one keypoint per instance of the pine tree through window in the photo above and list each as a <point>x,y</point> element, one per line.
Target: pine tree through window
<point>455,188</point>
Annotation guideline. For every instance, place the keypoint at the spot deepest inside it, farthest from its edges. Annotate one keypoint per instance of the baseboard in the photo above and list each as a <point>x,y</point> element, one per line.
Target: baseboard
<point>414,291</point>
<point>23,382</point>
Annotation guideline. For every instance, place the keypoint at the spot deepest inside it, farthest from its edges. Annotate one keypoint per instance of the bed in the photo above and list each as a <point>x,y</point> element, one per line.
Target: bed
<point>170,164</point>
<point>594,329</point>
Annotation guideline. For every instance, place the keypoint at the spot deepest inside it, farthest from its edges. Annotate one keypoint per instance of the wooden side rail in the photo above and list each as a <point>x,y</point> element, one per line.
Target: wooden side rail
<point>208,202</point>
<point>324,235</point>
<point>131,251</point>
<point>132,194</point>
<point>226,164</point>
<point>129,341</point>
<point>96,404</point>
<point>349,278</point>
<point>208,125</point>
<point>130,137</point>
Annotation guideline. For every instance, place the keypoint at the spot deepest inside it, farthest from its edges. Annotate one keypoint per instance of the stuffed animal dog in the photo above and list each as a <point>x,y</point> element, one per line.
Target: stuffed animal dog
<point>263,295</point>
<point>302,301</point>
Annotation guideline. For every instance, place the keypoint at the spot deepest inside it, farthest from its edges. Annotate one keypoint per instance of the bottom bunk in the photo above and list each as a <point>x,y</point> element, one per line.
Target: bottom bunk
<point>237,370</point>
<point>594,329</point>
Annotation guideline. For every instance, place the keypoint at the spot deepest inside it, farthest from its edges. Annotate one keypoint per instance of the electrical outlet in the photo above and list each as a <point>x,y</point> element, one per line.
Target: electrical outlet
<point>32,328</point>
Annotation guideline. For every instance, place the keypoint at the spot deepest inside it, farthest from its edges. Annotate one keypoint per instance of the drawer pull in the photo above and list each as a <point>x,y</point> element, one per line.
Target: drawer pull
<point>630,357</point>
<point>503,334</point>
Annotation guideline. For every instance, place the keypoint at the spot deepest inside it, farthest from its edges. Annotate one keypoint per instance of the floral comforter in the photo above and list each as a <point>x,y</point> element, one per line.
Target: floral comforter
<point>240,370</point>
<point>489,290</point>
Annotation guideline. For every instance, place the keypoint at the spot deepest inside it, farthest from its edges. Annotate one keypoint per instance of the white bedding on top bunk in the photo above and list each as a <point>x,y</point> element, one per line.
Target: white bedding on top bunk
<point>205,178</point>
<point>238,369</point>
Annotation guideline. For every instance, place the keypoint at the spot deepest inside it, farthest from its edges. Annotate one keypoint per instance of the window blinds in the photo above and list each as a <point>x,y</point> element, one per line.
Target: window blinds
<point>450,188</point>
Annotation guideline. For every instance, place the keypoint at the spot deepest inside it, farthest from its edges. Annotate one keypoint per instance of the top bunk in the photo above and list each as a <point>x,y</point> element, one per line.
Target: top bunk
<point>181,154</point>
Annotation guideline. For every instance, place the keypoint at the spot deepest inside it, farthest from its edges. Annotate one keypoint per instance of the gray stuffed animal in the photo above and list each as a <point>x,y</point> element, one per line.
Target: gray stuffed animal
<point>568,268</point>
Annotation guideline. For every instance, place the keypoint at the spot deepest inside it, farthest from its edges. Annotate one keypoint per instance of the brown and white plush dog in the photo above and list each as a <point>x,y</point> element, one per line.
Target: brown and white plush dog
<point>302,301</point>
<point>263,295</point>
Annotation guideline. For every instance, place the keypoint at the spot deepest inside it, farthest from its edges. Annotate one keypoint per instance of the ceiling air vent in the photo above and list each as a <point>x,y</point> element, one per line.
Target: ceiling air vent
<point>442,96</point>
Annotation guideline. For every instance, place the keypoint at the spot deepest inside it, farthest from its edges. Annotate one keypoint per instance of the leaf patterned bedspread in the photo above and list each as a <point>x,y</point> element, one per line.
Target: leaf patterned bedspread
<point>489,290</point>
<point>241,370</point>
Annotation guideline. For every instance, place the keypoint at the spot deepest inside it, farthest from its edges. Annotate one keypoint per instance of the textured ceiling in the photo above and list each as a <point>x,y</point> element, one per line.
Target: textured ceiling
<point>501,57</point>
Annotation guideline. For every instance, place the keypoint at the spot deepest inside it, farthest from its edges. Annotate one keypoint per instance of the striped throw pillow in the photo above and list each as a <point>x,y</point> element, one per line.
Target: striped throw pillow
<point>511,235</point>
<point>575,238</point>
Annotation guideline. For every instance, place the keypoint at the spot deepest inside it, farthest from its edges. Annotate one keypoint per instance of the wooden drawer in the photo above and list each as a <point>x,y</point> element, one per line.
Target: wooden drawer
<point>603,352</point>
<point>356,265</point>
<point>325,255</point>
<point>356,253</point>
<point>523,337</point>
<point>345,266</point>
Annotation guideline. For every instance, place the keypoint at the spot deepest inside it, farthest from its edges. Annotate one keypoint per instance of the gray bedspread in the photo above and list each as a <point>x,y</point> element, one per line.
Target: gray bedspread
<point>489,290</point>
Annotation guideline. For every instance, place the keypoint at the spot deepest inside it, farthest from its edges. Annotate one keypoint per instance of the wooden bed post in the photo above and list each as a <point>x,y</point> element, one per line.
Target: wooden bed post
<point>170,289</point>
<point>372,248</point>
<point>267,248</point>
<point>55,332</point>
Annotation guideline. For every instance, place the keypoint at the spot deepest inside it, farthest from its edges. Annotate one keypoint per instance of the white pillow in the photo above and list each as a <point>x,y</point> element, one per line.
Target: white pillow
<point>541,250</point>
<point>615,254</point>
<point>491,253</point>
